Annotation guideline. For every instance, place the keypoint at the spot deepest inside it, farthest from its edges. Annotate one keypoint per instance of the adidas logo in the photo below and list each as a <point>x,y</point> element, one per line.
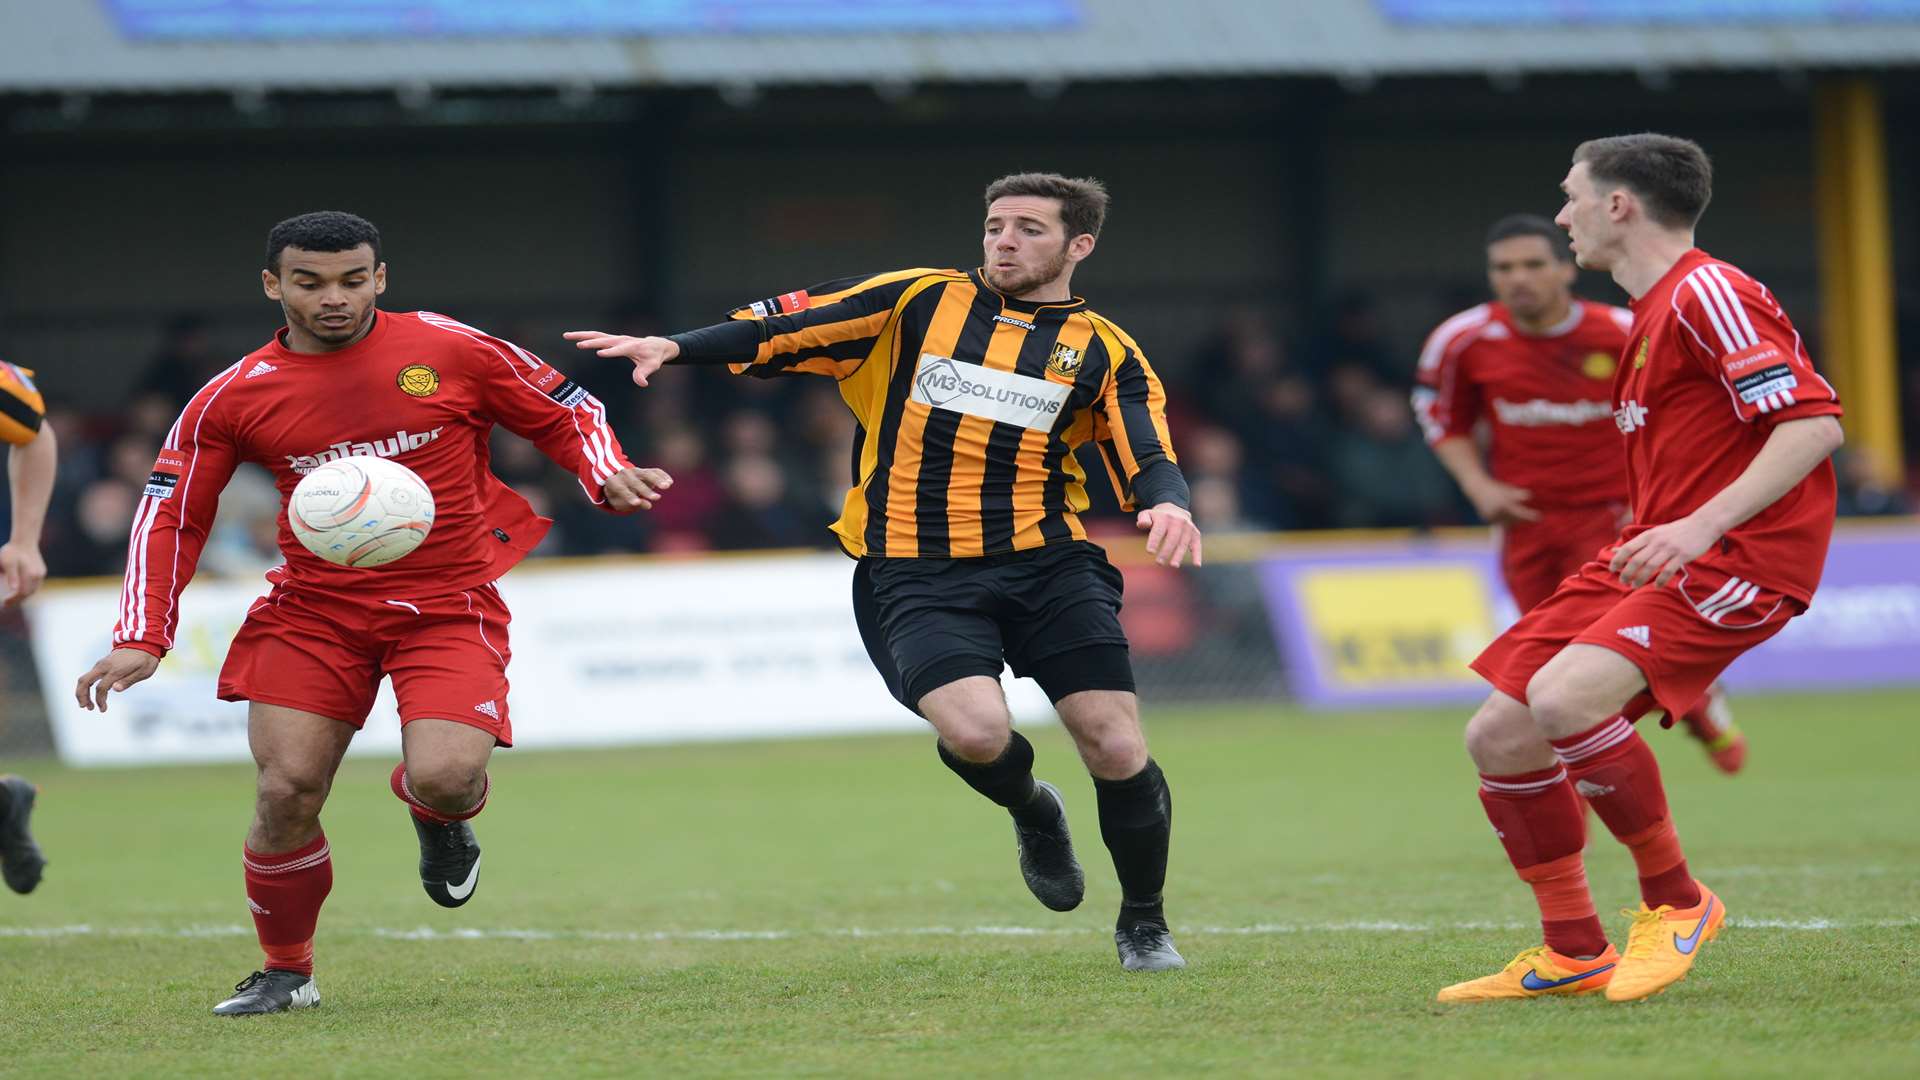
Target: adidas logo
<point>487,708</point>
<point>256,908</point>
<point>1639,635</point>
<point>1590,790</point>
<point>261,368</point>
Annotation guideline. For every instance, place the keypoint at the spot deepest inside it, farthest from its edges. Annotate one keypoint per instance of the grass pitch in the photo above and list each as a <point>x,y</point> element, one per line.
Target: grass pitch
<point>846,907</point>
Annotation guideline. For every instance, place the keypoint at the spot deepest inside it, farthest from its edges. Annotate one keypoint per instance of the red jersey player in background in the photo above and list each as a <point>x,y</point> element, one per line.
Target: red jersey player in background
<point>1536,366</point>
<point>32,456</point>
<point>1728,429</point>
<point>344,378</point>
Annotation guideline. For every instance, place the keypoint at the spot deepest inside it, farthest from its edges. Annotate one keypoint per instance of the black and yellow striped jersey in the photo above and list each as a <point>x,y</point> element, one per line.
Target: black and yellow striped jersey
<point>970,405</point>
<point>21,408</point>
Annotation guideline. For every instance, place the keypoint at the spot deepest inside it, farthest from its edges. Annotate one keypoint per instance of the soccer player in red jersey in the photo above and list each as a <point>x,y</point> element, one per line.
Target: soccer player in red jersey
<point>344,378</point>
<point>1537,366</point>
<point>32,457</point>
<point>1728,431</point>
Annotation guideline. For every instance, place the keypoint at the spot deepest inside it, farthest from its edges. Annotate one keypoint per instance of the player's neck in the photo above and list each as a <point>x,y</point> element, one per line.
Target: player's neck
<point>1057,291</point>
<point>1648,258</point>
<point>1547,321</point>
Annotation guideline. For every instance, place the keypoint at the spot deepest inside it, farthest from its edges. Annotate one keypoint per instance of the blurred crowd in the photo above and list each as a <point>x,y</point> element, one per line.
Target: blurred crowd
<point>1274,433</point>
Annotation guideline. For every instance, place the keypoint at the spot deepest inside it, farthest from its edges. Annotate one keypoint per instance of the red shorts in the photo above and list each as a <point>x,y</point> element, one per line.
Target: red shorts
<point>1681,637</point>
<point>326,654</point>
<point>1536,556</point>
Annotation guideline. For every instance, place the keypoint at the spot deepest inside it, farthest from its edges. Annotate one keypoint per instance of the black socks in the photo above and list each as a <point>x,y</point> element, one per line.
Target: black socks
<point>1136,820</point>
<point>1007,781</point>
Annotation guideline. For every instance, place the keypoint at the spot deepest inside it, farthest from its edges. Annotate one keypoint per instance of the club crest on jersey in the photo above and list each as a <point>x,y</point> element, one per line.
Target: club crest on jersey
<point>1599,365</point>
<point>418,380</point>
<point>1640,358</point>
<point>1064,361</point>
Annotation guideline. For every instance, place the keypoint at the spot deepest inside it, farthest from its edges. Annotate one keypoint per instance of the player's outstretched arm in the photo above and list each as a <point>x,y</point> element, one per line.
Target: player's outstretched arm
<point>117,670</point>
<point>647,353</point>
<point>1793,449</point>
<point>30,471</point>
<point>1171,534</point>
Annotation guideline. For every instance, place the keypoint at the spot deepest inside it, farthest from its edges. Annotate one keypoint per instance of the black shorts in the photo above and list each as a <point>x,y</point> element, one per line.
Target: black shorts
<point>1052,613</point>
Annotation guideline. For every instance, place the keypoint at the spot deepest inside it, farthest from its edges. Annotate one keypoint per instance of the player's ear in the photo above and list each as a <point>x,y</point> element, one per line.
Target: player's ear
<point>270,284</point>
<point>1080,247</point>
<point>380,279</point>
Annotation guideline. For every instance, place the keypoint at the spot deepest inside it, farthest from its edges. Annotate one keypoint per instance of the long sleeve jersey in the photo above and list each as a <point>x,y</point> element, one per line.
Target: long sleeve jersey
<point>970,405</point>
<point>419,388</point>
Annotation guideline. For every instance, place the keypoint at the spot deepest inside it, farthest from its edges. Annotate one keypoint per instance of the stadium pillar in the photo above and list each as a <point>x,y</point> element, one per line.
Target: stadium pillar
<point>1856,268</point>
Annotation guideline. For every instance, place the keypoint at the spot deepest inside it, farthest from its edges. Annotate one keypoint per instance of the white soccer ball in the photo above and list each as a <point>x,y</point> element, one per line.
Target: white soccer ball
<point>361,511</point>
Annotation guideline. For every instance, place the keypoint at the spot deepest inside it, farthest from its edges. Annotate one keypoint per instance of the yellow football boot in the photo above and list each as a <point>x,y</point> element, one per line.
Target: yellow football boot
<point>1662,945</point>
<point>1538,972</point>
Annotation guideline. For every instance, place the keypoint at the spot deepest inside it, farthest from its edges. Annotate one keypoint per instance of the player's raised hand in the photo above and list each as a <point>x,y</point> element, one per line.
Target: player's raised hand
<point>1659,553</point>
<point>634,488</point>
<point>21,572</point>
<point>1171,534</point>
<point>117,670</point>
<point>1501,504</point>
<point>647,353</point>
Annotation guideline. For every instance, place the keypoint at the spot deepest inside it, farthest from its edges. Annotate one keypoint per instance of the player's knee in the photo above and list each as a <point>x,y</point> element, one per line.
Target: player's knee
<point>291,796</point>
<point>1558,707</point>
<point>1500,733</point>
<point>446,784</point>
<point>1112,746</point>
<point>977,739</point>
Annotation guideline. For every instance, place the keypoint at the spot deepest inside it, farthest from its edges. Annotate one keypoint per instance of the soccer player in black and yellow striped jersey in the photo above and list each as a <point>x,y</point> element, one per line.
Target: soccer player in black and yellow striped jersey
<point>31,458</point>
<point>972,389</point>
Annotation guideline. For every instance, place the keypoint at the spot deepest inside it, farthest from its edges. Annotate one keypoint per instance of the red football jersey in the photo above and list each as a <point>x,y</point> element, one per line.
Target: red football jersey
<point>420,388</point>
<point>1547,399</point>
<point>1712,364</point>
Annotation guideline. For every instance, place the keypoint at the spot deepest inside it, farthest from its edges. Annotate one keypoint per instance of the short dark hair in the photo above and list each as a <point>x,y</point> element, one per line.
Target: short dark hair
<point>1672,176</point>
<point>321,230</point>
<point>1083,200</point>
<point>1531,225</point>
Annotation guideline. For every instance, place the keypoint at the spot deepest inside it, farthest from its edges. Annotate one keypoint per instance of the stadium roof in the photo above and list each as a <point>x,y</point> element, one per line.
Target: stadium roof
<point>74,46</point>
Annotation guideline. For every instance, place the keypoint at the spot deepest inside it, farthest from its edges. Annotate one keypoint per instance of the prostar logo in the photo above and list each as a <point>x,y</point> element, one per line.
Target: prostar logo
<point>394,445</point>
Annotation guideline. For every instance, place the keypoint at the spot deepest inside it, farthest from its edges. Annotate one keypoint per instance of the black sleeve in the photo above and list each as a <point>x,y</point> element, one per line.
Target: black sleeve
<point>735,342</point>
<point>1162,481</point>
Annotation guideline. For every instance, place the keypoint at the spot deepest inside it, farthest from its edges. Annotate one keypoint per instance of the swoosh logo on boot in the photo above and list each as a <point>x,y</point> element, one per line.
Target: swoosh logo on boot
<point>465,888</point>
<point>1687,944</point>
<point>1532,980</point>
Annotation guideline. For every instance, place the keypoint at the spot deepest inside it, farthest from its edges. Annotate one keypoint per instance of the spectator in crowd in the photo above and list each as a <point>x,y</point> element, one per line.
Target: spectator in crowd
<point>1383,474</point>
<point>184,363</point>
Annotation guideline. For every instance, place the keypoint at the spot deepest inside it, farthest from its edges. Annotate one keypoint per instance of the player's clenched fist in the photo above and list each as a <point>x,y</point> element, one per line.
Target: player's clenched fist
<point>634,488</point>
<point>647,353</point>
<point>117,670</point>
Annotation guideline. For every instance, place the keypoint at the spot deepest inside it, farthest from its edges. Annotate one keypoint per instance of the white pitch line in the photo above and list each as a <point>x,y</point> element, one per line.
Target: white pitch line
<point>427,933</point>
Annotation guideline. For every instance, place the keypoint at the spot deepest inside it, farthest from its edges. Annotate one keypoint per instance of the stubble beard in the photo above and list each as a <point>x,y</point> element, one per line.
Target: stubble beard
<point>1029,282</point>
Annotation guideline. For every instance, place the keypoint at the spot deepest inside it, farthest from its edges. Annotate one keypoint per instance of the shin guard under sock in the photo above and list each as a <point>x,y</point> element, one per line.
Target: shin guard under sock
<point>285,892</point>
<point>1614,769</point>
<point>1541,824</point>
<point>1136,821</point>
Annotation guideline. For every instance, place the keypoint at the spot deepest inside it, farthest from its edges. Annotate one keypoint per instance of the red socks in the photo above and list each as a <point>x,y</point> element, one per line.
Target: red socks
<point>1614,769</point>
<point>404,792</point>
<point>285,893</point>
<point>1544,829</point>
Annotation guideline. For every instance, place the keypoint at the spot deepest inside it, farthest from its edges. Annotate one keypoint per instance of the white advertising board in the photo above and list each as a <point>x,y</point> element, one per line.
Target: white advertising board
<point>624,651</point>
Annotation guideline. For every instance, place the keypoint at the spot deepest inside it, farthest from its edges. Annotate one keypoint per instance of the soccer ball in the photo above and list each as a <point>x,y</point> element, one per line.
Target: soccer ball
<point>361,511</point>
